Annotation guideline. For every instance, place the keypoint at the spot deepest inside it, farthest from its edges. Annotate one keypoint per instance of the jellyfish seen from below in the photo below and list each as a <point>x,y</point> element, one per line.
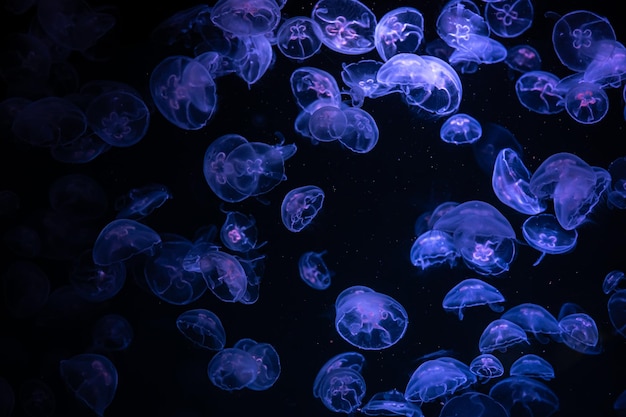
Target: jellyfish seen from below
<point>501,334</point>
<point>474,404</point>
<point>232,369</point>
<point>534,319</point>
<point>239,232</point>
<point>532,366</point>
<point>112,332</point>
<point>361,134</point>
<point>92,378</point>
<point>460,128</point>
<point>438,379</point>
<point>587,103</point>
<point>184,92</point>
<point>118,118</point>
<point>300,206</point>
<point>510,183</point>
<point>544,233</point>
<point>299,38</point>
<point>360,77</point>
<point>391,403</point>
<point>327,123</point>
<point>400,30</point>
<point>203,328</point>
<point>348,26</point>
<point>509,18</point>
<point>339,383</point>
<point>523,58</point>
<point>538,91</point>
<point>142,201</point>
<point>123,239</point>
<point>369,320</point>
<point>472,292</point>
<point>486,367</point>
<point>246,19</point>
<point>580,333</point>
<point>268,363</point>
<point>313,270</point>
<point>217,170</point>
<point>616,307</point>
<point>523,393</point>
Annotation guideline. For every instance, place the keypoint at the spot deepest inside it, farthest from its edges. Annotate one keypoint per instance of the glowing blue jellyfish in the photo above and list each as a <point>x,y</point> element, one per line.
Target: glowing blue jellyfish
<point>495,138</point>
<point>537,91</point>
<point>400,30</point>
<point>616,194</point>
<point>500,335</point>
<point>472,292</point>
<point>348,26</point>
<point>92,378</point>
<point>327,123</point>
<point>534,319</point>
<point>510,182</point>
<point>267,360</point>
<point>612,280</point>
<point>369,320</point>
<point>184,92</point>
<point>587,103</point>
<point>314,87</point>
<point>523,58</point>
<point>532,366</point>
<point>391,403</point>
<point>474,404</point>
<point>361,78</point>
<point>616,307</point>
<point>112,332</point>
<point>232,369</point>
<point>361,134</point>
<point>522,393</point>
<point>203,328</point>
<point>509,18</point>
<point>140,202</point>
<point>486,367</point>
<point>544,233</point>
<point>339,383</point>
<point>299,38</point>
<point>438,379</point>
<point>239,232</point>
<point>460,128</point>
<point>432,248</point>
<point>300,206</point>
<point>246,19</point>
<point>313,270</point>
<point>123,239</point>
<point>459,22</point>
<point>580,333</point>
<point>119,118</point>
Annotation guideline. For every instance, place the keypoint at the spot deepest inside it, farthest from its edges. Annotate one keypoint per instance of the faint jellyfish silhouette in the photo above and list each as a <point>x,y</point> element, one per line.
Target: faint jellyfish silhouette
<point>537,91</point>
<point>313,88</point>
<point>476,50</point>
<point>300,206</point>
<point>400,30</point>
<point>509,18</point>
<point>620,402</point>
<point>587,103</point>
<point>166,277</point>
<point>486,367</point>
<point>459,129</point>
<point>361,134</point>
<point>574,186</point>
<point>184,26</point>
<point>96,283</point>
<point>245,19</point>
<point>339,383</point>
<point>369,320</point>
<point>534,319</point>
<point>327,123</point>
<point>434,248</point>
<point>112,332</point>
<point>118,118</point>
<point>495,138</point>
<point>26,288</point>
<point>183,91</point>
<point>253,57</point>
<point>232,369</point>
<point>8,398</point>
<point>203,327</point>
<point>37,398</point>
<point>299,38</point>
<point>612,280</point>
<point>500,335</point>
<point>24,241</point>
<point>616,195</point>
<point>472,292</point>
<point>140,202</point>
<point>575,36</point>
<point>79,195</point>
<point>92,378</point>
<point>123,239</point>
<point>360,77</point>
<point>580,333</point>
<point>348,26</point>
<point>313,270</point>
<point>530,395</point>
<point>544,233</point>
<point>438,379</point>
<point>474,404</point>
<point>239,232</point>
<point>523,58</point>
<point>532,366</point>
<point>267,360</point>
<point>254,270</point>
<point>391,403</point>
<point>510,182</point>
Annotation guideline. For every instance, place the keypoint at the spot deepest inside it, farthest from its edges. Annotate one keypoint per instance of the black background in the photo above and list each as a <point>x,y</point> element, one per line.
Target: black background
<point>366,225</point>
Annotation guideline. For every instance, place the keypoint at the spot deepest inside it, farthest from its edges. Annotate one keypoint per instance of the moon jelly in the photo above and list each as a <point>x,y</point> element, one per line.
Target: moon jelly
<point>472,292</point>
<point>203,327</point>
<point>339,383</point>
<point>300,206</point>
<point>313,270</point>
<point>501,334</point>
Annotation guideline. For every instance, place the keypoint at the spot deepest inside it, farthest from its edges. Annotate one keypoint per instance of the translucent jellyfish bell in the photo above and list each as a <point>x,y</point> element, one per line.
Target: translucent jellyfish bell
<point>472,292</point>
<point>544,233</point>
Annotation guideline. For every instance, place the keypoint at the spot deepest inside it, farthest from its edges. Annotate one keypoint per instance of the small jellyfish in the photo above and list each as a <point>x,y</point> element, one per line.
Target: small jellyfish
<point>313,270</point>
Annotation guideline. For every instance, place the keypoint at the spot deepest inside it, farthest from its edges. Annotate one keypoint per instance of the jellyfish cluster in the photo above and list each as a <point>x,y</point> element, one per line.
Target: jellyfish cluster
<point>253,207</point>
